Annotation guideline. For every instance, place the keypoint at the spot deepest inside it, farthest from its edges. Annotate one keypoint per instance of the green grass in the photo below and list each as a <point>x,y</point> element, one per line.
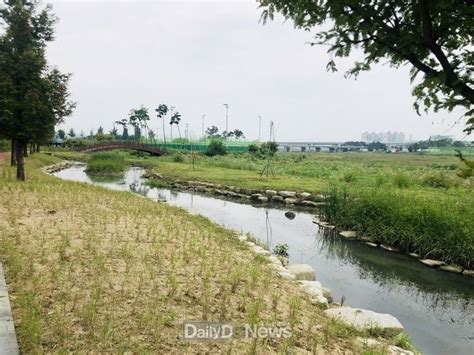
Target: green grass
<point>434,228</point>
<point>414,202</point>
<point>411,201</point>
<point>95,270</point>
<point>105,164</point>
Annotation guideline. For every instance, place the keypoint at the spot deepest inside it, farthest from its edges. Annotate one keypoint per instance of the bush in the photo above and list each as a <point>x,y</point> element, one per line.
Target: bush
<point>264,148</point>
<point>178,158</point>
<point>106,164</point>
<point>281,250</point>
<point>253,148</point>
<point>139,154</point>
<point>75,143</point>
<point>438,181</point>
<point>216,147</point>
<point>269,148</point>
<point>402,181</point>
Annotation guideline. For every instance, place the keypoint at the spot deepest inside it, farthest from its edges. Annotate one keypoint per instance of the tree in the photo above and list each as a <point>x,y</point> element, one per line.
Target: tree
<point>138,119</point>
<point>33,97</point>
<point>161,112</point>
<point>212,132</point>
<point>227,135</point>
<point>151,135</point>
<point>61,134</point>
<point>216,147</point>
<point>376,146</point>
<point>71,133</point>
<point>238,134</point>
<point>467,170</point>
<point>100,136</point>
<point>175,119</point>
<point>434,37</point>
<point>114,133</point>
<point>123,122</point>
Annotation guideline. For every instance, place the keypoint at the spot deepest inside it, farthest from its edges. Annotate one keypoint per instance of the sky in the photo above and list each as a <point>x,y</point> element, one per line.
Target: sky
<point>198,55</point>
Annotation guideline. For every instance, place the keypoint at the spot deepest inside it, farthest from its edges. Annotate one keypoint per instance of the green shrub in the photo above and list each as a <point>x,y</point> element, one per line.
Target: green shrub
<point>74,143</point>
<point>216,147</point>
<point>139,154</point>
<point>268,148</point>
<point>106,164</point>
<point>253,148</point>
<point>439,181</point>
<point>281,250</point>
<point>402,181</point>
<point>178,158</point>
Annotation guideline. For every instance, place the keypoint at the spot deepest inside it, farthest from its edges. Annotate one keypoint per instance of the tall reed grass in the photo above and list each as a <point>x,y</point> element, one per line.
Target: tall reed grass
<point>432,228</point>
<point>106,164</point>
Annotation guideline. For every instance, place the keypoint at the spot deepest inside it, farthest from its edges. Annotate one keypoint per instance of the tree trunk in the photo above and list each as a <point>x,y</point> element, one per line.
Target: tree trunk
<point>164,133</point>
<point>13,153</point>
<point>20,160</point>
<point>37,148</point>
<point>25,149</point>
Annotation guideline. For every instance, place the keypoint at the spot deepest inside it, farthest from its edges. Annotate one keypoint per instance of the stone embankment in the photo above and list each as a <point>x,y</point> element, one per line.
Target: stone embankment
<point>51,169</point>
<point>289,198</point>
<point>436,264</point>
<point>361,319</point>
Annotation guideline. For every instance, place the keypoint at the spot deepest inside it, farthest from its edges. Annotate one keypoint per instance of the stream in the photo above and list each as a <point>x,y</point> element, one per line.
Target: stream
<point>435,307</point>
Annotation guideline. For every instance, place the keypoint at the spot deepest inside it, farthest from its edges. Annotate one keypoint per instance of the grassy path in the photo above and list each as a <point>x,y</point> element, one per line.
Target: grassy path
<point>90,269</point>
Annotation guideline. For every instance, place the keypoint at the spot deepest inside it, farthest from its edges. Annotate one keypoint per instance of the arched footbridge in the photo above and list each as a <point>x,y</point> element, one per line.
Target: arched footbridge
<point>111,145</point>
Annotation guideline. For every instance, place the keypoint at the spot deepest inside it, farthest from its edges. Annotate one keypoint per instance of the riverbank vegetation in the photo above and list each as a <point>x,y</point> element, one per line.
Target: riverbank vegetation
<point>106,164</point>
<point>95,270</point>
<point>413,202</point>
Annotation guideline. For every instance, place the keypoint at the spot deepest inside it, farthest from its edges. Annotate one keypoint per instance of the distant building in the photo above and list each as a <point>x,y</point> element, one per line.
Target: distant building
<point>384,137</point>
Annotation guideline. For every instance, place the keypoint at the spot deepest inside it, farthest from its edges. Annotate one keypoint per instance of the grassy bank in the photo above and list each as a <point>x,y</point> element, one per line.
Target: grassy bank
<point>105,164</point>
<point>430,227</point>
<point>94,270</point>
<point>410,201</point>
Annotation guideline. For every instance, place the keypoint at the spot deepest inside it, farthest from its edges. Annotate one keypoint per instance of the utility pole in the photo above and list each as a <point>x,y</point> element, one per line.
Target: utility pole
<point>259,128</point>
<point>226,117</point>
<point>203,116</point>
<point>187,130</point>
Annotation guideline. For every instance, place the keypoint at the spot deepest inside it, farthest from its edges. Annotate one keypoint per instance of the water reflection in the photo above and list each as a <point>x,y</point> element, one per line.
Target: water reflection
<point>392,271</point>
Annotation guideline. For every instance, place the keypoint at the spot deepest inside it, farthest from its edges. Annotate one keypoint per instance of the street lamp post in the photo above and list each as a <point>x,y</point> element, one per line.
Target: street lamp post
<point>203,116</point>
<point>259,128</point>
<point>226,117</point>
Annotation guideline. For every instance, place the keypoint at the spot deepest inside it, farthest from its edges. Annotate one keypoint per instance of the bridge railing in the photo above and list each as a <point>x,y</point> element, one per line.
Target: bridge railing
<point>120,145</point>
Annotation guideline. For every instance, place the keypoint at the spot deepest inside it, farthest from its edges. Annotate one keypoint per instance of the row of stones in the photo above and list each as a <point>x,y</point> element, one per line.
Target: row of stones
<point>261,196</point>
<point>438,264</point>
<point>361,319</point>
<point>51,169</point>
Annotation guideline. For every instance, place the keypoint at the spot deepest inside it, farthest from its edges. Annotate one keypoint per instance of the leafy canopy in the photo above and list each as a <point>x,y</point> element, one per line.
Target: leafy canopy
<point>434,36</point>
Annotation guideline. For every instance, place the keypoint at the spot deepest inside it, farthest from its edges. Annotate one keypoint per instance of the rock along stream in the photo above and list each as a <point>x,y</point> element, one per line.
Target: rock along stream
<point>435,307</point>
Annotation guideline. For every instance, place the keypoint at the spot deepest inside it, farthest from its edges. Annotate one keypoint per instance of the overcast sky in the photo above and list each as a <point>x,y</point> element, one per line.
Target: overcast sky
<point>197,55</point>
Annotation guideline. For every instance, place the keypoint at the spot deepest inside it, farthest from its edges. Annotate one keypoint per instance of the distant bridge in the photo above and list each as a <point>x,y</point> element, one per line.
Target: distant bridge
<point>111,145</point>
<point>328,146</point>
